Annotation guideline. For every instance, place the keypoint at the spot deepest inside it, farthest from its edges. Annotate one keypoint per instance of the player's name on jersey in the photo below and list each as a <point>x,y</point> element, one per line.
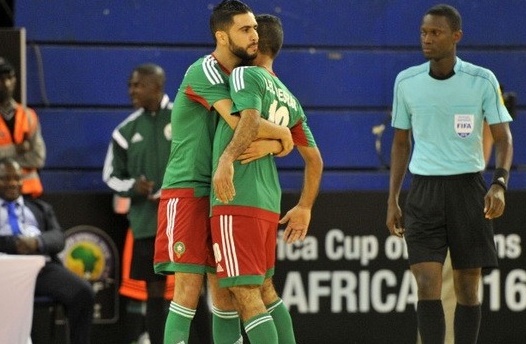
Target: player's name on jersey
<point>283,95</point>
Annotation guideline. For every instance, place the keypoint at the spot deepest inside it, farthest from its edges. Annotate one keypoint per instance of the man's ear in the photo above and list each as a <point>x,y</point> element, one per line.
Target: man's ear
<point>221,37</point>
<point>458,36</point>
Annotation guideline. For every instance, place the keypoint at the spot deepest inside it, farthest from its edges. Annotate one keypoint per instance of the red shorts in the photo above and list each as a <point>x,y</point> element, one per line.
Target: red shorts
<point>244,246</point>
<point>183,242</point>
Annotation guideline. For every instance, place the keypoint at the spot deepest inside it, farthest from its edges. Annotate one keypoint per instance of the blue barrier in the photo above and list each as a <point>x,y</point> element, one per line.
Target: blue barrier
<point>97,76</point>
<point>81,140</point>
<point>340,58</point>
<point>306,22</point>
<point>345,138</point>
<point>291,181</point>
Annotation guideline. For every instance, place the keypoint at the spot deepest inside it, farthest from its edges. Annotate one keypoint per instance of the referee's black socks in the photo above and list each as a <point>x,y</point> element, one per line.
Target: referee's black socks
<point>431,321</point>
<point>467,324</point>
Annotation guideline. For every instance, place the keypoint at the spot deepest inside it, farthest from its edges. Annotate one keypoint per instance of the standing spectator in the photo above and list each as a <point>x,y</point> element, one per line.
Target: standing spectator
<point>29,226</point>
<point>246,201</point>
<point>20,135</point>
<point>443,104</point>
<point>134,169</point>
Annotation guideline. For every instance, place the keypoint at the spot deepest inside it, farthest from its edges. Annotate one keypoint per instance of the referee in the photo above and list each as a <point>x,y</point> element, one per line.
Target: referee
<point>441,106</point>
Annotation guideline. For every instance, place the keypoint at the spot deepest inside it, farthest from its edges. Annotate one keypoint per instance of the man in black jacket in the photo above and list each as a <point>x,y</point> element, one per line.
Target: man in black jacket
<point>29,226</point>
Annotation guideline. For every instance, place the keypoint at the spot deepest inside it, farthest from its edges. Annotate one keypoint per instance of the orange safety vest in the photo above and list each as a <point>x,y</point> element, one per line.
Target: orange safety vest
<point>133,288</point>
<point>26,124</point>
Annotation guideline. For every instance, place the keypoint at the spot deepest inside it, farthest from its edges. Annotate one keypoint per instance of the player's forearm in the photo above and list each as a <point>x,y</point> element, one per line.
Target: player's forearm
<point>312,176</point>
<point>270,130</point>
<point>311,187</point>
<point>266,130</point>
<point>245,132</point>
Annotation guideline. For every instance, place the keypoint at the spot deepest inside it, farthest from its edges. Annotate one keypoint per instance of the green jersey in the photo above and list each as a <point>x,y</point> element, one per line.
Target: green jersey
<point>194,123</point>
<point>139,146</point>
<point>257,184</point>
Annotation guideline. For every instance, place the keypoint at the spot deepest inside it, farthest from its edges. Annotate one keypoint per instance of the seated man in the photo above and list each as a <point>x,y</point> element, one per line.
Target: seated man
<point>29,226</point>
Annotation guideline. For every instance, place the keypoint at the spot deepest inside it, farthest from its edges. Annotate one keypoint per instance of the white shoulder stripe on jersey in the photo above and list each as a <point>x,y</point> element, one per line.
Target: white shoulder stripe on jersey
<point>237,77</point>
<point>212,74</point>
<point>120,185</point>
<point>121,140</point>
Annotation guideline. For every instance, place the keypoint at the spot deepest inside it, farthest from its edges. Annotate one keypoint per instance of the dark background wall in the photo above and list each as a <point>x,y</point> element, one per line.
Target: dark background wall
<point>348,282</point>
<point>340,58</point>
<point>6,13</point>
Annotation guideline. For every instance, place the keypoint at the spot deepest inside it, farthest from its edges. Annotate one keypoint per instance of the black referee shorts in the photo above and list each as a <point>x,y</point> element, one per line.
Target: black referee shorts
<point>444,212</point>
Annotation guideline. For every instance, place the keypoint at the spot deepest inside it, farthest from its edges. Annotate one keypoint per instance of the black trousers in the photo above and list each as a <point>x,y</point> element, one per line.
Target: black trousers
<point>76,294</point>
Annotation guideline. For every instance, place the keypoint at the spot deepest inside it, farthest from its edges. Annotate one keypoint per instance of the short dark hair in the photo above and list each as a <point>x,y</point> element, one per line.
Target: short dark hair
<point>270,33</point>
<point>451,13</point>
<point>223,14</point>
<point>153,70</point>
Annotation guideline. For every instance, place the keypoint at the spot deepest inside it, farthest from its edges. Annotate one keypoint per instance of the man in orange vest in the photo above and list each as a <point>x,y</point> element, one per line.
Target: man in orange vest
<point>20,135</point>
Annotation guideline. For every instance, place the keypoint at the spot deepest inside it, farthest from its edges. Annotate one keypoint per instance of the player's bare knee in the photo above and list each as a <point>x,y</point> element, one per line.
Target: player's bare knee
<point>187,289</point>
<point>248,300</point>
<point>268,292</point>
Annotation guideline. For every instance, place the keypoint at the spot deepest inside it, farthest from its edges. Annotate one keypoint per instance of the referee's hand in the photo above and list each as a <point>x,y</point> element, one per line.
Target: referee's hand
<point>394,220</point>
<point>494,202</point>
